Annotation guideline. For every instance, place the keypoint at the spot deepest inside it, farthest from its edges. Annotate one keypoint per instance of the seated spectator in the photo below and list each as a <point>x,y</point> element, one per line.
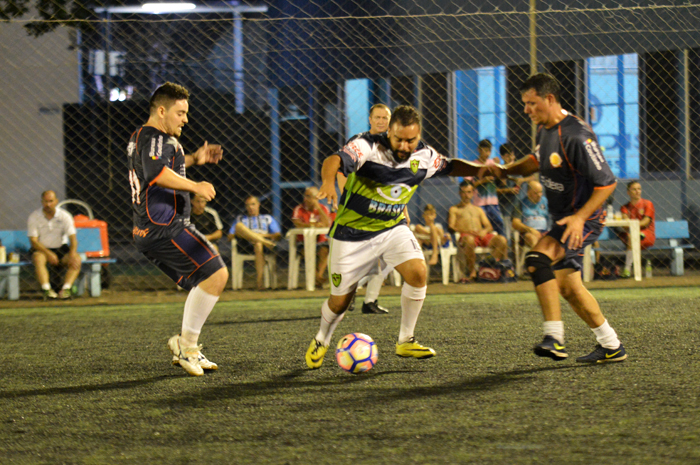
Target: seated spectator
<point>531,216</point>
<point>258,231</point>
<point>485,195</point>
<point>52,234</point>
<point>312,214</point>
<point>509,191</point>
<point>475,229</point>
<point>638,209</point>
<point>437,236</point>
<point>206,220</point>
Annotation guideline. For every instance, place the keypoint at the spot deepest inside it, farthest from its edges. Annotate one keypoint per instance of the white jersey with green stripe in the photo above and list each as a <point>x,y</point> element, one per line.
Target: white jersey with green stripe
<point>379,186</point>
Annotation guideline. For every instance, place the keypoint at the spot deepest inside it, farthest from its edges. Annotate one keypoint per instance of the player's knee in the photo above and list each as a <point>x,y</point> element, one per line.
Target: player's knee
<point>539,266</point>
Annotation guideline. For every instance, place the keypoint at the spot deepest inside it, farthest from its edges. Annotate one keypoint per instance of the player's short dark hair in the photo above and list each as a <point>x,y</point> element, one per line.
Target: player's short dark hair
<point>485,144</point>
<point>166,95</point>
<point>380,106</point>
<point>506,148</point>
<point>543,84</point>
<point>405,115</point>
<point>465,183</point>
<point>632,183</point>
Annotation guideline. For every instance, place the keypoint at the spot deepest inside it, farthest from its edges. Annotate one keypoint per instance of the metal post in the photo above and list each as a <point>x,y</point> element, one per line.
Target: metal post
<point>238,90</point>
<point>275,152</point>
<point>685,148</point>
<point>622,139</point>
<point>533,58</point>
<point>313,136</point>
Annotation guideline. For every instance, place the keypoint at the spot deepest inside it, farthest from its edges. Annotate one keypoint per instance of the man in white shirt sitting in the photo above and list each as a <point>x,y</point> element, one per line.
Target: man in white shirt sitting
<point>52,234</point>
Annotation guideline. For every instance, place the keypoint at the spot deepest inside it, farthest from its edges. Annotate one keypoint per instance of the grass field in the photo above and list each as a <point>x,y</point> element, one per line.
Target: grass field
<point>93,385</point>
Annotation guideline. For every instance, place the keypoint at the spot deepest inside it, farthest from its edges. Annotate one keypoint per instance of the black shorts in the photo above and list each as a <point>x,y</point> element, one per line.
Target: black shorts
<point>188,258</point>
<point>60,252</point>
<point>574,257</point>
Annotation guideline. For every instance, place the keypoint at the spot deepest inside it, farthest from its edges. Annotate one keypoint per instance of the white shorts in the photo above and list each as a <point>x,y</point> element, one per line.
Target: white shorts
<point>351,261</point>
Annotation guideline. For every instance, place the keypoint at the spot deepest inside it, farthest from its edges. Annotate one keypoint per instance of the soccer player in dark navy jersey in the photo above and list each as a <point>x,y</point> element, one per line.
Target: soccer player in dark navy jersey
<point>577,180</point>
<point>162,231</point>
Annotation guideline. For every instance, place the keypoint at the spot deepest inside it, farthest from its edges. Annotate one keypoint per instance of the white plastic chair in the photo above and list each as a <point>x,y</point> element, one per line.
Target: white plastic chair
<point>456,270</point>
<point>519,251</point>
<point>237,260</point>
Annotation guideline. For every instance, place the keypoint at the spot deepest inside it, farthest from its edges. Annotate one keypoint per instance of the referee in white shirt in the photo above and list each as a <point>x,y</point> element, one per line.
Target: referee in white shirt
<point>52,234</point>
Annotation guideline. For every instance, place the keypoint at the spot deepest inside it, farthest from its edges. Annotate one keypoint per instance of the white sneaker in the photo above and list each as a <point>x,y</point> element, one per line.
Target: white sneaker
<point>187,358</point>
<point>204,362</point>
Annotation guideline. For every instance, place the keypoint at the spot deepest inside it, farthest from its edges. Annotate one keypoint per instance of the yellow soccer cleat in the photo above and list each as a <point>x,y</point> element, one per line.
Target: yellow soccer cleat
<point>411,348</point>
<point>315,354</point>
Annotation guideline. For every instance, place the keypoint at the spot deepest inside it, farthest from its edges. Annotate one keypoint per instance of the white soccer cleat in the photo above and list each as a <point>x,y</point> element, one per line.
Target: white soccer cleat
<point>187,358</point>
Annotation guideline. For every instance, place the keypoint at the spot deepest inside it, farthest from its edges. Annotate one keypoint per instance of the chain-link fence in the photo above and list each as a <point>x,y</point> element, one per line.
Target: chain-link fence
<point>281,85</point>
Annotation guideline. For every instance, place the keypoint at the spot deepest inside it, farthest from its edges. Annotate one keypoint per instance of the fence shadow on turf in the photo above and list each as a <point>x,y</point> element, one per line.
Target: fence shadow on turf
<point>82,388</point>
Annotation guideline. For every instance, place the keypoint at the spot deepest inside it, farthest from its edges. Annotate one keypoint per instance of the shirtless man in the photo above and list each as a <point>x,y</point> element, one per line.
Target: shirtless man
<point>471,223</point>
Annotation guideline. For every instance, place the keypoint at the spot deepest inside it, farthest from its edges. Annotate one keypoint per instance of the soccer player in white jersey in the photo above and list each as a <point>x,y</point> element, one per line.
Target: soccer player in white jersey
<point>379,116</point>
<point>383,173</point>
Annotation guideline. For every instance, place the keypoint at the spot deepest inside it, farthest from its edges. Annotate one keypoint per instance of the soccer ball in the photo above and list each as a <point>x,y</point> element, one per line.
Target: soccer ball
<point>356,353</point>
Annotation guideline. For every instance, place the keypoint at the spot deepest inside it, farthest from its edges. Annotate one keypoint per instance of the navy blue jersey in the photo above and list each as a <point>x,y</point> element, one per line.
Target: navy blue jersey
<point>571,166</point>
<point>159,213</point>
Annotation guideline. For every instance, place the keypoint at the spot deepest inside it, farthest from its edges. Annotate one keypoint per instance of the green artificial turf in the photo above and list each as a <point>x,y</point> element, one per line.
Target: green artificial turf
<point>94,385</point>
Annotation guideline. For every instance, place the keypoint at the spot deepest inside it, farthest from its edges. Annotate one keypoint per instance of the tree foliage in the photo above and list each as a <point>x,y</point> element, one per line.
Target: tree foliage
<point>51,14</point>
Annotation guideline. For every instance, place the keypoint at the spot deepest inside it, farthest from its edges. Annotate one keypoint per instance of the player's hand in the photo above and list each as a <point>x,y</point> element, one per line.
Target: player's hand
<point>208,154</point>
<point>573,232</point>
<point>206,190</point>
<point>495,170</point>
<point>327,191</point>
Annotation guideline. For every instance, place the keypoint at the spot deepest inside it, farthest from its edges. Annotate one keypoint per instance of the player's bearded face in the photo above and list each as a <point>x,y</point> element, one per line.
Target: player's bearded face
<point>175,117</point>
<point>403,140</point>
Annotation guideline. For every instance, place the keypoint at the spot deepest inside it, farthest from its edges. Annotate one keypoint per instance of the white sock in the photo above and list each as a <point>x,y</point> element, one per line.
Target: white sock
<point>554,329</point>
<point>412,299</point>
<point>329,321</point>
<point>198,306</point>
<point>374,286</point>
<point>628,262</point>
<point>45,287</point>
<point>606,336</point>
<point>67,286</point>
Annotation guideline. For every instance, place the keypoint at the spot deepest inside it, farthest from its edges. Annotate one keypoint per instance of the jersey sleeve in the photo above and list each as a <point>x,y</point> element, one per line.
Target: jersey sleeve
<point>649,210</point>
<point>438,165</point>
<point>154,153</point>
<point>274,227</point>
<point>353,155</point>
<point>296,214</point>
<point>32,226</point>
<point>586,157</point>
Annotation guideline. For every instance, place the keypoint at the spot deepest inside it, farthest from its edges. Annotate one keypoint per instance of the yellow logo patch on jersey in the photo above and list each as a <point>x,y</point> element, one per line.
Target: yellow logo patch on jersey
<point>555,160</point>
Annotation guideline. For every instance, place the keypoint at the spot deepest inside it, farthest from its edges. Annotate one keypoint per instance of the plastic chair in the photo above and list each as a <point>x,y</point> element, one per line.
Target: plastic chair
<point>237,261</point>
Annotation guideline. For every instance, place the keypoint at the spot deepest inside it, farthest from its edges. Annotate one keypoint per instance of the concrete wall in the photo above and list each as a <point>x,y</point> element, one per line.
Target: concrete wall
<point>38,76</point>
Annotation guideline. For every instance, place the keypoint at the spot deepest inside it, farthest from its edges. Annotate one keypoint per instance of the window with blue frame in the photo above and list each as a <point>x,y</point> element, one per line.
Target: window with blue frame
<point>614,110</point>
<point>480,104</point>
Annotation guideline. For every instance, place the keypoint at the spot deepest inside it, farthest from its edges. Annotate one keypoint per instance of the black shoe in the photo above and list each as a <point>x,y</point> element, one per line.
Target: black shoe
<point>602,355</point>
<point>373,307</point>
<point>351,307</point>
<point>551,348</point>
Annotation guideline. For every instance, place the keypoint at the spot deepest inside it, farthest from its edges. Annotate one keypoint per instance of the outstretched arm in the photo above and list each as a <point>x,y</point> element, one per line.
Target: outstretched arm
<point>328,171</point>
<point>523,167</point>
<point>467,168</point>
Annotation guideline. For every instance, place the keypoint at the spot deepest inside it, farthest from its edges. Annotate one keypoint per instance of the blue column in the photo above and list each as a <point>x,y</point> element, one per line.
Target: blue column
<point>498,104</point>
<point>313,136</point>
<point>622,137</point>
<point>467,113</point>
<point>357,104</point>
<point>275,152</point>
<point>238,62</point>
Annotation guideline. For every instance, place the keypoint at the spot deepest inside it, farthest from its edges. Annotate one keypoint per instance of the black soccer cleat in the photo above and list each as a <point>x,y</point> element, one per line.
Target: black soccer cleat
<point>602,355</point>
<point>550,347</point>
<point>373,307</point>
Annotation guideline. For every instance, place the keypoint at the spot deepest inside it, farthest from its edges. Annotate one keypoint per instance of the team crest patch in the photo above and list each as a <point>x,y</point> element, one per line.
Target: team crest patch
<point>336,278</point>
<point>414,166</point>
<point>555,160</point>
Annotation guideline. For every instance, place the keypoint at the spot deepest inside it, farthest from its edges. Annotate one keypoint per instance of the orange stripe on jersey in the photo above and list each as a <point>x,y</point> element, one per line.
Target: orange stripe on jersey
<point>157,177</point>
<point>605,187</point>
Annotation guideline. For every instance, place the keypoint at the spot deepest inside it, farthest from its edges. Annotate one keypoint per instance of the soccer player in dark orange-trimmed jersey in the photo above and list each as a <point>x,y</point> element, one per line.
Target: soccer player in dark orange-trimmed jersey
<point>160,200</point>
<point>577,180</point>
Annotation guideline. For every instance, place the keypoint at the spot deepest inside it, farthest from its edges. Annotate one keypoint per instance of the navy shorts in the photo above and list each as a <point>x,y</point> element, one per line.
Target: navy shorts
<point>574,257</point>
<point>188,258</point>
